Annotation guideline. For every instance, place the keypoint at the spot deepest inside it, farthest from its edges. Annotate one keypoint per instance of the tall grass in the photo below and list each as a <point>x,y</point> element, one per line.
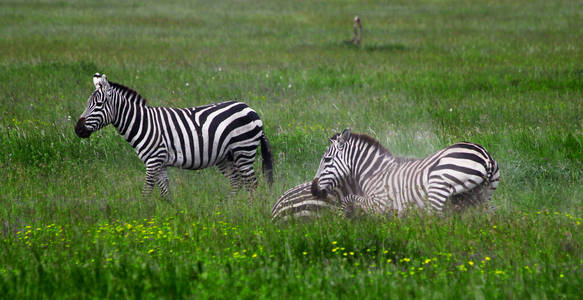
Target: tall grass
<point>505,75</point>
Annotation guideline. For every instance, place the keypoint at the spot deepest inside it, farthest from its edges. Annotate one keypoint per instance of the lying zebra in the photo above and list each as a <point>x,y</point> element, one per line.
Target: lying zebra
<point>299,203</point>
<point>371,179</point>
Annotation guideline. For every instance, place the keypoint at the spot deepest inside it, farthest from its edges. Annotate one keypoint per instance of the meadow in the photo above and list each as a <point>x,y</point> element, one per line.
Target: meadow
<point>505,74</point>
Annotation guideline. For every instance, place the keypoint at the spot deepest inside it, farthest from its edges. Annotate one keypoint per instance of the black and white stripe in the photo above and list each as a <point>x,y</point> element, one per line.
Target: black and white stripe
<point>374,180</point>
<point>224,134</point>
<point>299,203</point>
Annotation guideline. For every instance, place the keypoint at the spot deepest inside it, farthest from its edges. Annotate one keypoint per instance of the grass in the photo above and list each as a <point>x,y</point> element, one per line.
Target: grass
<point>506,75</point>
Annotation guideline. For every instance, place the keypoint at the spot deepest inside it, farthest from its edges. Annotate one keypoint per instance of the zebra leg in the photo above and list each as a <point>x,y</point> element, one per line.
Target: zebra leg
<point>153,169</point>
<point>163,183</point>
<point>347,205</point>
<point>244,167</point>
<point>461,193</point>
<point>226,167</point>
<point>151,179</point>
<point>353,204</point>
<point>438,192</point>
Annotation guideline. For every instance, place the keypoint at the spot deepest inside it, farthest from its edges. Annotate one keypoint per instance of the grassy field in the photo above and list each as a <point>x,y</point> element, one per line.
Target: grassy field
<point>506,74</point>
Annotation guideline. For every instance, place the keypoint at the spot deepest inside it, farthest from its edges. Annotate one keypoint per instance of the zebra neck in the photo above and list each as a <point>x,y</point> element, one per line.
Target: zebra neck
<point>132,119</point>
<point>349,186</point>
<point>367,169</point>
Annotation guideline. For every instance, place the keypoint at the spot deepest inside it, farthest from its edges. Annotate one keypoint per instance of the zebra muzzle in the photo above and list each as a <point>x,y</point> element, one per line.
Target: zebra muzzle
<point>316,191</point>
<point>81,130</point>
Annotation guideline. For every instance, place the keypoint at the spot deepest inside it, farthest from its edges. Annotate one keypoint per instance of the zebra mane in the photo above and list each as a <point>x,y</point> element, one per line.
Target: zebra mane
<point>369,140</point>
<point>127,92</point>
<point>375,143</point>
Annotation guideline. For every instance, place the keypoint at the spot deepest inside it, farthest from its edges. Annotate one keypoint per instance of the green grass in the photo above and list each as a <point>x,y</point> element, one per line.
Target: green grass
<point>507,75</point>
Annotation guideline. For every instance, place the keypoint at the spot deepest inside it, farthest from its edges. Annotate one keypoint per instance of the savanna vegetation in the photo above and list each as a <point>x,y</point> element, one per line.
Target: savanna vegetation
<point>505,74</point>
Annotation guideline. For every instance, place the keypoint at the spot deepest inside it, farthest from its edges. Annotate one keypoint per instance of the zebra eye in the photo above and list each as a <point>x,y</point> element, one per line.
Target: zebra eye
<point>327,158</point>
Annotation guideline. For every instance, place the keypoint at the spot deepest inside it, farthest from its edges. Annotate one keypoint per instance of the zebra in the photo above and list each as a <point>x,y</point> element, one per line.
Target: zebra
<point>298,202</point>
<point>225,134</point>
<point>373,180</point>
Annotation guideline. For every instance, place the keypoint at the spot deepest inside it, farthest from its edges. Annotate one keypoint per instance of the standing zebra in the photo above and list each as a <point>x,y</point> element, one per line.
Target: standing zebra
<point>374,180</point>
<point>224,134</point>
<point>298,202</point>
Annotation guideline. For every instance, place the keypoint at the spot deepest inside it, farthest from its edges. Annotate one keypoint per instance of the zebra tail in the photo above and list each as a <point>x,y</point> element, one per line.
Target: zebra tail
<point>267,166</point>
<point>495,173</point>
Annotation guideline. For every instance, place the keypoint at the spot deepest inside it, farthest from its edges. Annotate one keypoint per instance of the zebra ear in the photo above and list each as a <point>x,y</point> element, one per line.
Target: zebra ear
<point>105,82</point>
<point>97,80</point>
<point>344,136</point>
<point>100,81</point>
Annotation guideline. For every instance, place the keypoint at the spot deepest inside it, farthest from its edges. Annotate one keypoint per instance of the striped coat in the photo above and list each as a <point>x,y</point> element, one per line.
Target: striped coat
<point>299,203</point>
<point>459,175</point>
<point>224,134</point>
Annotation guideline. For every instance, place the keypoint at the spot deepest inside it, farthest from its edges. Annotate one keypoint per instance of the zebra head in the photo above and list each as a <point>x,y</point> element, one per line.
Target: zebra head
<point>98,112</point>
<point>334,167</point>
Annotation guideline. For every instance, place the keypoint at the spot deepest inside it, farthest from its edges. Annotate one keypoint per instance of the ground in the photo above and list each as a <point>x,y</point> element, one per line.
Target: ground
<point>507,75</point>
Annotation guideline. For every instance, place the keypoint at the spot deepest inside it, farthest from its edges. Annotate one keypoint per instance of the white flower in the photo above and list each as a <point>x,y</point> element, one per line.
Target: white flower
<point>187,84</point>
<point>289,86</point>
